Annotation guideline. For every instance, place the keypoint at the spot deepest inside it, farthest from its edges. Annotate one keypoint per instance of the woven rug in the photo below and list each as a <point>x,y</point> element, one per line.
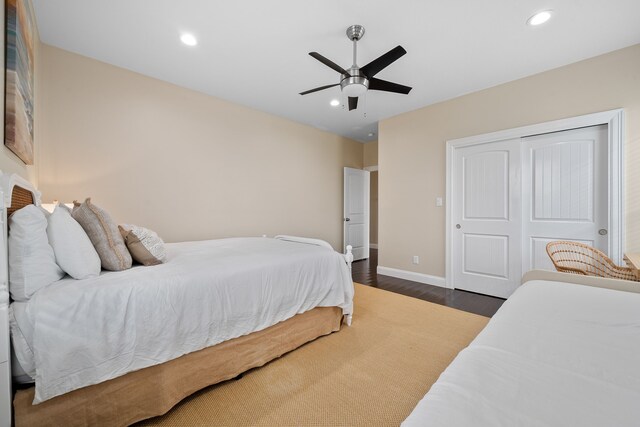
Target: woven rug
<point>370,374</point>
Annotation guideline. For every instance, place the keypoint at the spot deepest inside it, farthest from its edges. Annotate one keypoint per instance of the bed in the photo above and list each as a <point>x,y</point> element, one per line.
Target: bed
<point>126,346</point>
<point>562,351</point>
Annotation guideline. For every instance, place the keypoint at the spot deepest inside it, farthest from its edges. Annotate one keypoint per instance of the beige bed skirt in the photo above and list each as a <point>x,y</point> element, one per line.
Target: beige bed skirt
<point>155,390</point>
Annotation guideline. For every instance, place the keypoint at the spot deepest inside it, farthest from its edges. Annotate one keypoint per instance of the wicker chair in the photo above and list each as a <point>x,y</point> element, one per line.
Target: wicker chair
<point>578,258</point>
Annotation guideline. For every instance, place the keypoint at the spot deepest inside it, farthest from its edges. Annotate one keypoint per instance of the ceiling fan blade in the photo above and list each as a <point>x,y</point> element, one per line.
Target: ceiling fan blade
<point>353,103</point>
<point>329,63</point>
<point>318,89</point>
<point>377,84</point>
<point>379,64</point>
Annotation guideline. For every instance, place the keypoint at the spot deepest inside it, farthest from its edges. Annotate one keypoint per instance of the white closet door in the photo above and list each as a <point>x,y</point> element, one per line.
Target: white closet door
<point>487,219</point>
<point>565,174</point>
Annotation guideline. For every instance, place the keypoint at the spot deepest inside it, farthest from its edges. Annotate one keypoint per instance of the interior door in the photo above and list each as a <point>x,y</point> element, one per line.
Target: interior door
<point>356,212</point>
<point>566,175</point>
<point>486,234</point>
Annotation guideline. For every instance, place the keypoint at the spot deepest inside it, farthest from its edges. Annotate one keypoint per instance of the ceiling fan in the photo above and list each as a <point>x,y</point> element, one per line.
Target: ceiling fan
<point>357,80</point>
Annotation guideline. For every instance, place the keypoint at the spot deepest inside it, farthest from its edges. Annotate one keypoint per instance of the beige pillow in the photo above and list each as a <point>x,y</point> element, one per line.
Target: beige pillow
<point>145,246</point>
<point>104,235</point>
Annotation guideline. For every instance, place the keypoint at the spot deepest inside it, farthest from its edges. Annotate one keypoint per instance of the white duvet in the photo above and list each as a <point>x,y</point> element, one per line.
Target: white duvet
<point>88,331</point>
<point>555,354</point>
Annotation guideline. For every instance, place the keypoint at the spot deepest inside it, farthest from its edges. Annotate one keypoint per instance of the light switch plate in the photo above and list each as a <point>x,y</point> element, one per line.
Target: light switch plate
<point>438,201</point>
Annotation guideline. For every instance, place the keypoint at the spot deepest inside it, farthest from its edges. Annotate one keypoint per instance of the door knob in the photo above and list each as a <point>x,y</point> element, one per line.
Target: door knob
<point>458,226</point>
<point>602,232</point>
<point>347,219</point>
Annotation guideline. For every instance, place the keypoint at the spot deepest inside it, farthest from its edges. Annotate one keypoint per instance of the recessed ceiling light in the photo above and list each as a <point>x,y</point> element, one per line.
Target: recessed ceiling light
<point>371,134</point>
<point>539,18</point>
<point>334,103</point>
<point>188,39</point>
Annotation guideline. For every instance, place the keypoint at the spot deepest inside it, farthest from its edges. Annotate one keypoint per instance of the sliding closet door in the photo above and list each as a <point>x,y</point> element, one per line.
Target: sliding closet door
<point>565,175</point>
<point>486,227</point>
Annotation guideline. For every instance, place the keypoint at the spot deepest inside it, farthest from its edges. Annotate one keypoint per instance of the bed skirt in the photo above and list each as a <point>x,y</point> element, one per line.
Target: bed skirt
<point>155,390</point>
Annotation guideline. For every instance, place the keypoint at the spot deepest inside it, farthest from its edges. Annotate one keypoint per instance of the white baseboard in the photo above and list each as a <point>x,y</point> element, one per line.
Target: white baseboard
<point>413,276</point>
<point>373,245</point>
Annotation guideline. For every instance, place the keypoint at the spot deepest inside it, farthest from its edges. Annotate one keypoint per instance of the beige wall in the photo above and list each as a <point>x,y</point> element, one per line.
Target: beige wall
<point>370,153</point>
<point>187,165</point>
<point>412,147</point>
<point>9,162</point>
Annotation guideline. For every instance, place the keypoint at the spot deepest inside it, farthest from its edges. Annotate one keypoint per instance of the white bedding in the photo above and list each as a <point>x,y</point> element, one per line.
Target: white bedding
<point>555,354</point>
<point>88,331</point>
<point>22,371</point>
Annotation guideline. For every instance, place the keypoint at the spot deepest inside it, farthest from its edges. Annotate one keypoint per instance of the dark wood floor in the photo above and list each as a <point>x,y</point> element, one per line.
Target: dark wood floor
<point>365,272</point>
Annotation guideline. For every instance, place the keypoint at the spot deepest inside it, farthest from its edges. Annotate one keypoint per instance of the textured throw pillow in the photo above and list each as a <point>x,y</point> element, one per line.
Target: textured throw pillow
<point>145,246</point>
<point>74,251</point>
<point>104,235</point>
<point>32,264</point>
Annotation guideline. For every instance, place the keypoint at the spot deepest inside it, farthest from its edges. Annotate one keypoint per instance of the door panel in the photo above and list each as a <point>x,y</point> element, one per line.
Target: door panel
<point>356,212</point>
<point>563,176</point>
<point>486,185</point>
<point>356,186</point>
<point>539,259</point>
<point>566,173</point>
<point>356,237</point>
<point>486,218</point>
<point>486,255</point>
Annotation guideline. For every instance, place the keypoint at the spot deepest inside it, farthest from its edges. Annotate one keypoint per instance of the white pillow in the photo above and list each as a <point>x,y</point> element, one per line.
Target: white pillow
<point>32,264</point>
<point>74,251</point>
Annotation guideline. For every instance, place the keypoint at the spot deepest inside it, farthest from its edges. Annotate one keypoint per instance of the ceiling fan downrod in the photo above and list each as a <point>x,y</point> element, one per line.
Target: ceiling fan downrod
<point>355,33</point>
<point>354,84</point>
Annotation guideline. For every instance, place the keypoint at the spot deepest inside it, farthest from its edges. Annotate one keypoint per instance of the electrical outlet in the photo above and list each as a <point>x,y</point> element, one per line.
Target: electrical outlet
<point>416,259</point>
<point>438,201</point>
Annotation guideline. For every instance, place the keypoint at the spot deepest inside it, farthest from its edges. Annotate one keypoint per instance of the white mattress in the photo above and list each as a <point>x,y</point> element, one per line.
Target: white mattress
<point>555,354</point>
<point>88,331</point>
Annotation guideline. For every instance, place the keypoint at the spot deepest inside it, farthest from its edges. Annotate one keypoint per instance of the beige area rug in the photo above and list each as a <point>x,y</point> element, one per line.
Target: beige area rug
<point>372,373</point>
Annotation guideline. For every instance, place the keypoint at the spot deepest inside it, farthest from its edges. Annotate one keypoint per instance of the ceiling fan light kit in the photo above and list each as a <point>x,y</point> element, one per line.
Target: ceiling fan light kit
<point>354,86</point>
<point>356,81</point>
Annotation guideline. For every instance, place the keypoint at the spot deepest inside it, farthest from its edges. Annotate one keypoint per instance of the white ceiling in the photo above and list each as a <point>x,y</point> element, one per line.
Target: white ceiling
<point>254,52</point>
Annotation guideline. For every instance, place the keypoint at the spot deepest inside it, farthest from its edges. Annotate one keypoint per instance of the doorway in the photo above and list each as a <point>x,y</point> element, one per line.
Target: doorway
<point>356,212</point>
<point>373,209</point>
